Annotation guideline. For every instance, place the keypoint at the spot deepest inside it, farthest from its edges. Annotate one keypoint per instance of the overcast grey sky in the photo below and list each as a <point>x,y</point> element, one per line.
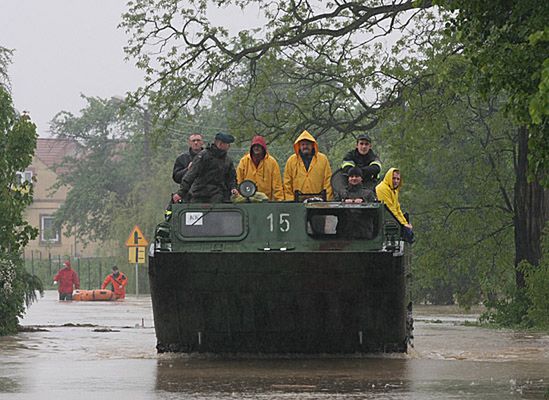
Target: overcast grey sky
<point>64,48</point>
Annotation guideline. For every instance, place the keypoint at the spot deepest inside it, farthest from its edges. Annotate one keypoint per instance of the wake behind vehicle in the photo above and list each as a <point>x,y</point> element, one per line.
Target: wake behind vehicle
<point>280,278</point>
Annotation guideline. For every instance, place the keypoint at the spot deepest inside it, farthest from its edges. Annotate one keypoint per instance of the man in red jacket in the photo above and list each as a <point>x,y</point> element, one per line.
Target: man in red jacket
<point>68,281</point>
<point>118,281</point>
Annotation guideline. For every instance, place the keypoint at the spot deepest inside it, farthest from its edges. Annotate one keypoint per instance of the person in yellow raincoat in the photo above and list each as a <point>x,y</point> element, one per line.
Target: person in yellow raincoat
<point>261,168</point>
<point>308,170</point>
<point>387,191</point>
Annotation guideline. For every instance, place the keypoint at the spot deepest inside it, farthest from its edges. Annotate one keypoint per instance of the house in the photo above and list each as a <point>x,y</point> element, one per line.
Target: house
<point>44,169</point>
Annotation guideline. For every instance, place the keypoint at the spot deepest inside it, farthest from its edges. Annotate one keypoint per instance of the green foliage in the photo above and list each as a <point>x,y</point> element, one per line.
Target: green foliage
<point>508,45</point>
<point>117,179</point>
<point>528,307</point>
<point>537,281</point>
<point>104,170</point>
<point>539,104</point>
<point>5,59</point>
<point>511,311</point>
<point>455,150</point>
<point>17,144</point>
<point>17,290</point>
<point>282,103</point>
<point>302,67</point>
<point>537,287</point>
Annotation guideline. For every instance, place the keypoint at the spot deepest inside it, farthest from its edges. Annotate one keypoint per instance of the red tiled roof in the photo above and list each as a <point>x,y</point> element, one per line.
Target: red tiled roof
<point>52,151</point>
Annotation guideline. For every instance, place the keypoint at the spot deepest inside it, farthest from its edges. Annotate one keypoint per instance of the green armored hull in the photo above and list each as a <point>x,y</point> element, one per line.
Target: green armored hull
<point>279,278</point>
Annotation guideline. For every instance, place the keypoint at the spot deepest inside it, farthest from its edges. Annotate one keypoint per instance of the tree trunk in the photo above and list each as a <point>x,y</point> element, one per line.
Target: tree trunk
<point>531,211</point>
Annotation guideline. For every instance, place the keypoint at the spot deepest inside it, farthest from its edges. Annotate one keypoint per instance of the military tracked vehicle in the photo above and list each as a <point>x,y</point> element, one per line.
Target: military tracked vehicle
<point>307,277</point>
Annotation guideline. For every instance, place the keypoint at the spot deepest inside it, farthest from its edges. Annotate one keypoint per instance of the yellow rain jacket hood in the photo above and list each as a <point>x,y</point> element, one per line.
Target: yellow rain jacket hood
<point>389,195</point>
<point>266,175</point>
<point>312,180</point>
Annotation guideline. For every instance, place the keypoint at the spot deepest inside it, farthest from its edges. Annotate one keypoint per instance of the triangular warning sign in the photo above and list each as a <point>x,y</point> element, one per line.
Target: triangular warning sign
<point>136,238</point>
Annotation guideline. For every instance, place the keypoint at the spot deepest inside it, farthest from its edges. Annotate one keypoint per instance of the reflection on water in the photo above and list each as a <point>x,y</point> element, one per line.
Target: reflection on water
<point>376,378</point>
<point>95,349</point>
<point>288,378</point>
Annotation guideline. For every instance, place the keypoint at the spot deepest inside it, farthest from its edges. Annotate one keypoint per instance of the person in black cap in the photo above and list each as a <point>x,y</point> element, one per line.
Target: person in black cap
<point>212,176</point>
<point>364,158</point>
<point>355,192</point>
<point>355,223</point>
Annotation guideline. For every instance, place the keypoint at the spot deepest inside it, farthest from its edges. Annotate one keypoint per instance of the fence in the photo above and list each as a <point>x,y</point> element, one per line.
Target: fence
<point>91,271</point>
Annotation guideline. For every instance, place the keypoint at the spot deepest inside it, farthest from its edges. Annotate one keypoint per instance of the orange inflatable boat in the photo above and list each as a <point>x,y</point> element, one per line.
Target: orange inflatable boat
<point>93,295</point>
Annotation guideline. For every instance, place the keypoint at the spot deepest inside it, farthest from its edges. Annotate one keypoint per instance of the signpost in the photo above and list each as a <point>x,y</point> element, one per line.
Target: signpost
<point>136,244</point>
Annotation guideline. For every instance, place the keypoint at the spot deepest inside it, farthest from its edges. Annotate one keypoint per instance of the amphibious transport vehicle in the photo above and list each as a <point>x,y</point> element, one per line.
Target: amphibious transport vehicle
<point>280,278</point>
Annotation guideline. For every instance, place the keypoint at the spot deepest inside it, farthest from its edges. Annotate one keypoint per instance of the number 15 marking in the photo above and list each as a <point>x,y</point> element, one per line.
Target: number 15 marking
<point>283,222</point>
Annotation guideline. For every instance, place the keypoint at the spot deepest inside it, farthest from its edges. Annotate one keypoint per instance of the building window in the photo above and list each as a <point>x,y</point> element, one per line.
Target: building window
<point>22,177</point>
<point>48,231</point>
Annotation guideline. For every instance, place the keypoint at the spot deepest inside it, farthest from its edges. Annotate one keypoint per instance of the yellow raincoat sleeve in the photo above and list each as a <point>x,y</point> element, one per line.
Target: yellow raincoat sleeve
<point>277,189</point>
<point>289,174</point>
<point>241,169</point>
<point>327,178</point>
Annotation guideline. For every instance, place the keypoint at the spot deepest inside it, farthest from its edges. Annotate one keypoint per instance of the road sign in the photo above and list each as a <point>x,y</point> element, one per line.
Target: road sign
<point>136,255</point>
<point>136,252</point>
<point>136,238</point>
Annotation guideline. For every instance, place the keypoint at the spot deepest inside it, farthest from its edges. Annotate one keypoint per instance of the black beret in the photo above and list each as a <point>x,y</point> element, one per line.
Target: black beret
<point>224,137</point>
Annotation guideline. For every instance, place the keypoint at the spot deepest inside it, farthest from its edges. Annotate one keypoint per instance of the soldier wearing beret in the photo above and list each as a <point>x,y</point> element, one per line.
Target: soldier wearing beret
<point>212,176</point>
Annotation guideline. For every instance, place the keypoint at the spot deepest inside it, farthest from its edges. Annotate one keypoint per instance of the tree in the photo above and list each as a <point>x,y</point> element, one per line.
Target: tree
<point>99,175</point>
<point>333,49</point>
<point>464,187</point>
<point>117,179</point>
<point>5,58</point>
<point>17,144</point>
<point>508,43</point>
<point>456,153</point>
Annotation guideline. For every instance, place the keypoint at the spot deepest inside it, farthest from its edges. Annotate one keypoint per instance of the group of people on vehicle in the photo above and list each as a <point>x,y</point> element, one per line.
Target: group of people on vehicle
<point>208,175</point>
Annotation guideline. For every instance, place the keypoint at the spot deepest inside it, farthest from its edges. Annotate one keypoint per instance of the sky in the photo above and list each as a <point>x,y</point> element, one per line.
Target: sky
<point>65,48</point>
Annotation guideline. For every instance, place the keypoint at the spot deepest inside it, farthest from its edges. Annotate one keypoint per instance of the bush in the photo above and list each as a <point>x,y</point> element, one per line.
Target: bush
<point>17,289</point>
<point>524,308</point>
<point>511,312</point>
<point>537,288</point>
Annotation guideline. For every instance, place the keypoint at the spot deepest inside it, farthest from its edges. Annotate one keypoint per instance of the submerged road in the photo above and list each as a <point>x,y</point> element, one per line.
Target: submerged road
<point>95,350</point>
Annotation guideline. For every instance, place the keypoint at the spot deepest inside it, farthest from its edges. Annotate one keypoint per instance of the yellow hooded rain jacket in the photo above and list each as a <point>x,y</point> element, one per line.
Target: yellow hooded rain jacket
<point>314,180</point>
<point>266,175</point>
<point>389,195</point>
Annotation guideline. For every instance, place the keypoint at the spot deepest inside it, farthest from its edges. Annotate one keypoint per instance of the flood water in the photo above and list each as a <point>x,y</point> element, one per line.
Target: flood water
<point>95,350</point>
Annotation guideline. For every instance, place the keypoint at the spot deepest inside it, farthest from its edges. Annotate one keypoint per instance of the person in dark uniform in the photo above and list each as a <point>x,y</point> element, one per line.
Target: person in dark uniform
<point>364,158</point>
<point>212,176</point>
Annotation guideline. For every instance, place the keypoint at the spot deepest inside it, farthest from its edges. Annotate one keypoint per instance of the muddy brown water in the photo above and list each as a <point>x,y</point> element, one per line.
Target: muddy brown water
<point>95,350</point>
